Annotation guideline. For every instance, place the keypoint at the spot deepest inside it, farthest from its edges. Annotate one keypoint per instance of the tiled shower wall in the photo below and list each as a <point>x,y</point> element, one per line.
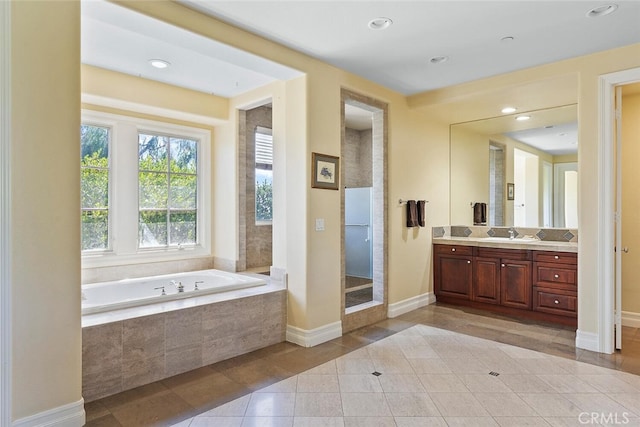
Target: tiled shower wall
<point>122,355</point>
<point>257,241</point>
<point>358,163</point>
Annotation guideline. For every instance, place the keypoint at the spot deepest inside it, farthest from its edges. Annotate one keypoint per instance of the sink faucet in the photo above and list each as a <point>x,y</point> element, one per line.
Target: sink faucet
<point>511,234</point>
<point>179,286</point>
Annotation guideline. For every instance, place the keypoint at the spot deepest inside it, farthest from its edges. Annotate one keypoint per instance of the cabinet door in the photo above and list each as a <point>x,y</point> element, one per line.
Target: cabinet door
<point>486,280</point>
<point>515,278</point>
<point>454,275</point>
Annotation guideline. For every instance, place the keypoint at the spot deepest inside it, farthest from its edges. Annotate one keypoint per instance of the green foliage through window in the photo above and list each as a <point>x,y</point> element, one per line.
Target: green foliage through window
<point>167,185</point>
<point>94,187</point>
<point>264,174</point>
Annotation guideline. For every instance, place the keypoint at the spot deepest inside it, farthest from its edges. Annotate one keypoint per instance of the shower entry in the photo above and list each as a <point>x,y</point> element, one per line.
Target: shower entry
<point>358,245</point>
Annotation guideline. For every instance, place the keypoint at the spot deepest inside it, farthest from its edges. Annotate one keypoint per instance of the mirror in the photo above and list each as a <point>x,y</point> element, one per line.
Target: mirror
<point>524,171</point>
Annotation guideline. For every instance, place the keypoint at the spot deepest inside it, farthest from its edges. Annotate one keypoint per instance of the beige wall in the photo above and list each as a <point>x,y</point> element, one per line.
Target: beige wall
<point>584,71</point>
<point>45,214</point>
<point>631,203</point>
<point>469,173</point>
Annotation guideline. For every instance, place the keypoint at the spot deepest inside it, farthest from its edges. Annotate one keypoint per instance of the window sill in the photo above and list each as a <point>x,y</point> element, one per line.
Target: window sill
<point>147,255</point>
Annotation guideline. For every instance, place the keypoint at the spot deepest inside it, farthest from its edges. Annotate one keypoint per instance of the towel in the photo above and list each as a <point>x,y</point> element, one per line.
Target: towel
<point>421,214</point>
<point>480,214</point>
<point>412,213</point>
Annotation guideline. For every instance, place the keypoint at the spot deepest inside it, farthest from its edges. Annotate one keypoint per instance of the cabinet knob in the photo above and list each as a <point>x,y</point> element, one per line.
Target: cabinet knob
<point>453,249</point>
<point>468,262</point>
<point>502,265</point>
<point>556,276</point>
<point>556,257</point>
<point>556,302</point>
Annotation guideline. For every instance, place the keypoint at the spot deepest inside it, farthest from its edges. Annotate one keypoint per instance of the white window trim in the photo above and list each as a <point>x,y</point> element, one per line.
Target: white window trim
<point>123,194</point>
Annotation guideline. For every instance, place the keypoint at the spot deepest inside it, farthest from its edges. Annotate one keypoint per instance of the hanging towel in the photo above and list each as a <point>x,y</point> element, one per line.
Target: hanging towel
<point>421,214</point>
<point>412,213</point>
<point>480,214</point>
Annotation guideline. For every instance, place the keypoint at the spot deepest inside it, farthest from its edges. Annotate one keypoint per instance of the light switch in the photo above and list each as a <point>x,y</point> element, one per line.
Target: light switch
<point>319,224</point>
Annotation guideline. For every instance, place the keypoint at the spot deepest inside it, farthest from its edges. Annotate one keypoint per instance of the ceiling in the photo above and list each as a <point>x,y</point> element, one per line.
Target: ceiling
<point>469,33</point>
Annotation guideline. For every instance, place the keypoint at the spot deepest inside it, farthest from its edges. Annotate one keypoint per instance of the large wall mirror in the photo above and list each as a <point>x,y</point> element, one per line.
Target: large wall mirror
<point>522,166</point>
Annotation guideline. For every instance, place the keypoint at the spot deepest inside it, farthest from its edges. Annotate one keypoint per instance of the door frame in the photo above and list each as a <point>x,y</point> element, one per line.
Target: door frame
<point>369,313</point>
<point>607,167</point>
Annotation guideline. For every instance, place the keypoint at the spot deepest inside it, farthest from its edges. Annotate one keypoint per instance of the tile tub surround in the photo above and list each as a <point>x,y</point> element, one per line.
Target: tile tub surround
<point>131,352</point>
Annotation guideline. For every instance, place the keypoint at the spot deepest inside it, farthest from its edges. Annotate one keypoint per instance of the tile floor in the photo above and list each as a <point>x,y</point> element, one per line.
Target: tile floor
<point>429,377</point>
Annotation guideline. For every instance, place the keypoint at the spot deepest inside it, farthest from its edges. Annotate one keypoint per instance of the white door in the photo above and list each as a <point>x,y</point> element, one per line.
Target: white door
<point>565,195</point>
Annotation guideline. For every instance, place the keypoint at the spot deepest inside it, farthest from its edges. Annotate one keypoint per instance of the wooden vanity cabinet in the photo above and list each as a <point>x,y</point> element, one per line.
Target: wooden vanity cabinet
<point>555,279</point>
<point>453,271</point>
<point>508,282</point>
<point>531,283</point>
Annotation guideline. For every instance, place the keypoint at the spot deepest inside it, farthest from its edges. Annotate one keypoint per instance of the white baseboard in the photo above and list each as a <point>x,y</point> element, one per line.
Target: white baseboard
<point>587,341</point>
<point>70,415</point>
<point>410,304</point>
<point>313,337</point>
<point>631,319</point>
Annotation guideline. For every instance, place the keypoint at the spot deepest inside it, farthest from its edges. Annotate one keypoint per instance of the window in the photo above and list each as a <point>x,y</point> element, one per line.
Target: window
<point>264,175</point>
<point>167,181</point>
<point>145,190</point>
<point>94,187</point>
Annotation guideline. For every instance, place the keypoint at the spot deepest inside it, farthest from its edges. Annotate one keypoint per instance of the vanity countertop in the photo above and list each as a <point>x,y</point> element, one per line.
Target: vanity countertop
<point>517,243</point>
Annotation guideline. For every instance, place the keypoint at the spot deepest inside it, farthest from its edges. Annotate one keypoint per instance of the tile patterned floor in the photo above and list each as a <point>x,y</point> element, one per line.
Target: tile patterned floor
<point>435,375</point>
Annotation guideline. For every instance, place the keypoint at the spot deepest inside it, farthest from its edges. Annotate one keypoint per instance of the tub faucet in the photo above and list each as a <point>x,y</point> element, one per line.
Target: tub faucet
<point>179,286</point>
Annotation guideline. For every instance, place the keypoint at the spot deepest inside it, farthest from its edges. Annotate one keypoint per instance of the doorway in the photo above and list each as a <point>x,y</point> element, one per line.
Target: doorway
<point>364,212</point>
<point>525,178</point>
<point>255,171</point>
<point>628,253</point>
<point>565,193</point>
<point>609,230</point>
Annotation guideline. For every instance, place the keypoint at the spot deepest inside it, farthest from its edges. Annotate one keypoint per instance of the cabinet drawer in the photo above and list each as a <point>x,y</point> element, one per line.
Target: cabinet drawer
<point>514,254</point>
<point>555,302</point>
<point>453,249</point>
<point>556,257</point>
<point>555,274</point>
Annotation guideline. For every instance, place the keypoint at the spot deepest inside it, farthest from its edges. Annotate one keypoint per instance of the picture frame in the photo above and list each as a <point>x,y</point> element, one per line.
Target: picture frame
<point>510,191</point>
<point>325,171</point>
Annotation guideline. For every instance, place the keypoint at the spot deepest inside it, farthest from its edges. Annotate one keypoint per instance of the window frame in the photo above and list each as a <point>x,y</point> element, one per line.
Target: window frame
<point>124,193</point>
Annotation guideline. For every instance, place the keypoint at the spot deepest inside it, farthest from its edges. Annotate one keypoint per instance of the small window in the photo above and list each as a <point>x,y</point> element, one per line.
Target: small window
<point>167,185</point>
<point>94,186</point>
<point>264,175</point>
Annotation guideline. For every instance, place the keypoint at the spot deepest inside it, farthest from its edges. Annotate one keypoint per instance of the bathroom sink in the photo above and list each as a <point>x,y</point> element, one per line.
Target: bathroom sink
<point>514,240</point>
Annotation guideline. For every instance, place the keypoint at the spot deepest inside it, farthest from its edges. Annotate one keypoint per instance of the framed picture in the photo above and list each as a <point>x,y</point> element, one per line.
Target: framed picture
<point>324,171</point>
<point>510,191</point>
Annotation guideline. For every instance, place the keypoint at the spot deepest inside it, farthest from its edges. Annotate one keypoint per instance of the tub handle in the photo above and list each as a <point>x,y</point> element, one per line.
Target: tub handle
<point>195,287</point>
<point>161,287</point>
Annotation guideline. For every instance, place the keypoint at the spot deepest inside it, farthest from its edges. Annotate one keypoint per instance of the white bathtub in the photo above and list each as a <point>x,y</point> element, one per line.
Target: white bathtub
<point>107,296</point>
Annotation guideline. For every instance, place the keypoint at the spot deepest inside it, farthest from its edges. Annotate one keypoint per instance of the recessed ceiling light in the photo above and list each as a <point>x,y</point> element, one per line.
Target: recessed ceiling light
<point>159,63</point>
<point>508,110</point>
<point>439,59</point>
<point>380,23</point>
<point>522,118</point>
<point>507,39</point>
<point>603,10</point>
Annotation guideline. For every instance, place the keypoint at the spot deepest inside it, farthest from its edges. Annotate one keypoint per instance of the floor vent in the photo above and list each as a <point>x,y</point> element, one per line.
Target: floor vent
<point>376,373</point>
<point>495,374</point>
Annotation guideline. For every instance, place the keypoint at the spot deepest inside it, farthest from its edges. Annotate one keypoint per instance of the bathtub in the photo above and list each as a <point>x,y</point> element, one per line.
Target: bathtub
<point>109,296</point>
